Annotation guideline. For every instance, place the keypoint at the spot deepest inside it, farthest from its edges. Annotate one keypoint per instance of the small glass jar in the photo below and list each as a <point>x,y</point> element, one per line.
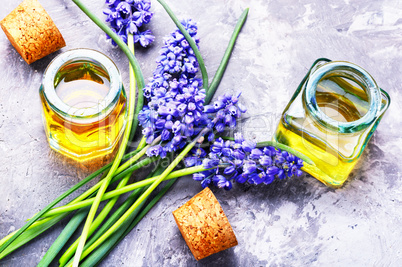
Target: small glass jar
<point>84,104</point>
<point>331,117</point>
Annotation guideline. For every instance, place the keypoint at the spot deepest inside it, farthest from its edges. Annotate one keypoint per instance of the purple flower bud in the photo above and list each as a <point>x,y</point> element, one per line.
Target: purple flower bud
<point>221,182</point>
<point>220,127</point>
<point>219,104</point>
<point>227,152</point>
<point>169,147</point>
<point>177,139</point>
<point>217,146</point>
<point>165,135</point>
<point>160,123</point>
<point>189,118</point>
<point>281,174</point>
<point>228,144</point>
<point>191,106</point>
<point>248,145</point>
<point>154,150</point>
<point>211,136</point>
<point>110,2</point>
<point>255,153</point>
<point>269,179</point>
<point>169,125</point>
<point>265,160</point>
<point>124,7</point>
<point>164,111</point>
<point>150,139</point>
<point>199,98</point>
<point>228,119</point>
<point>229,170</point>
<point>257,178</point>
<point>269,151</point>
<point>249,167</point>
<point>162,153</point>
<point>176,127</point>
<point>279,159</point>
<point>132,28</point>
<point>242,178</point>
<point>291,158</point>
<point>233,111</point>
<point>210,163</point>
<point>238,154</point>
<point>273,170</point>
<point>190,161</point>
<point>198,176</point>
<point>209,109</point>
<point>238,138</point>
<point>205,183</point>
<point>147,131</point>
<point>184,44</point>
<point>189,130</point>
<point>220,114</point>
<point>299,163</point>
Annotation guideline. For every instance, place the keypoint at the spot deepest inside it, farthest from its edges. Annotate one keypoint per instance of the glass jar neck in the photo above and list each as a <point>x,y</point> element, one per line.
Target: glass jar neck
<point>89,114</point>
<point>349,71</point>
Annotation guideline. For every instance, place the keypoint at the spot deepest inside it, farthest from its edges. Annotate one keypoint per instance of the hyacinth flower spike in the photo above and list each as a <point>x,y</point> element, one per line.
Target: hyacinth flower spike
<point>129,17</point>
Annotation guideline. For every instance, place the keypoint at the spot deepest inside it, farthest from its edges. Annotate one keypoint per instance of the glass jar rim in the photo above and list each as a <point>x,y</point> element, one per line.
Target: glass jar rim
<point>81,54</point>
<point>349,70</point>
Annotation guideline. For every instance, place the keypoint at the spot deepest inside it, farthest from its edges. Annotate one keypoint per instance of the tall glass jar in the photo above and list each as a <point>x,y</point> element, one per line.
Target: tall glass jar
<point>331,118</point>
<point>84,104</point>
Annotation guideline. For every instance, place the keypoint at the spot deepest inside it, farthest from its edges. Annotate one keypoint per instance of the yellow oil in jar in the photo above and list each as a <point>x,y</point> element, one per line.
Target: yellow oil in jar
<point>335,154</point>
<point>83,85</point>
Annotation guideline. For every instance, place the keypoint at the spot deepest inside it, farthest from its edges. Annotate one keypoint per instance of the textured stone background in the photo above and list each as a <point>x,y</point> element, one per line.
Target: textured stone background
<point>295,222</point>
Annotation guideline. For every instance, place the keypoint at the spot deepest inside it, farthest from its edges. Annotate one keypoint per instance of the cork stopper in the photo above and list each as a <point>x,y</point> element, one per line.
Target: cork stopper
<point>31,31</point>
<point>204,226</point>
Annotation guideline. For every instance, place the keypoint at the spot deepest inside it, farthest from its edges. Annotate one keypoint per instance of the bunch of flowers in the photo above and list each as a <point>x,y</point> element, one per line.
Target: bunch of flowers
<point>241,161</point>
<point>175,113</point>
<point>128,16</point>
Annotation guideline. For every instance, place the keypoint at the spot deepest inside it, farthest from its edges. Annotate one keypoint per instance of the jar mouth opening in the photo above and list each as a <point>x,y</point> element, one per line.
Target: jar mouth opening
<point>99,109</point>
<point>349,73</point>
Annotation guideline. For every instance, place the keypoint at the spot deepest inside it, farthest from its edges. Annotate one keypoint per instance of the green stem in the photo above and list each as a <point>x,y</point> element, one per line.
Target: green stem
<point>121,209</point>
<point>190,41</point>
<point>62,239</point>
<point>30,234</point>
<point>126,189</point>
<point>127,168</point>
<point>228,138</point>
<point>101,252</point>
<point>102,215</point>
<point>116,162</point>
<point>140,96</point>
<point>145,195</point>
<point>105,211</point>
<point>116,216</point>
<point>125,223</point>
<point>222,67</point>
<point>142,143</point>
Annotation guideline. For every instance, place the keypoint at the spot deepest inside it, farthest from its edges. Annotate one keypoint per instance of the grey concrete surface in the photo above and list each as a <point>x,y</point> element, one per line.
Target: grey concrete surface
<point>289,223</point>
